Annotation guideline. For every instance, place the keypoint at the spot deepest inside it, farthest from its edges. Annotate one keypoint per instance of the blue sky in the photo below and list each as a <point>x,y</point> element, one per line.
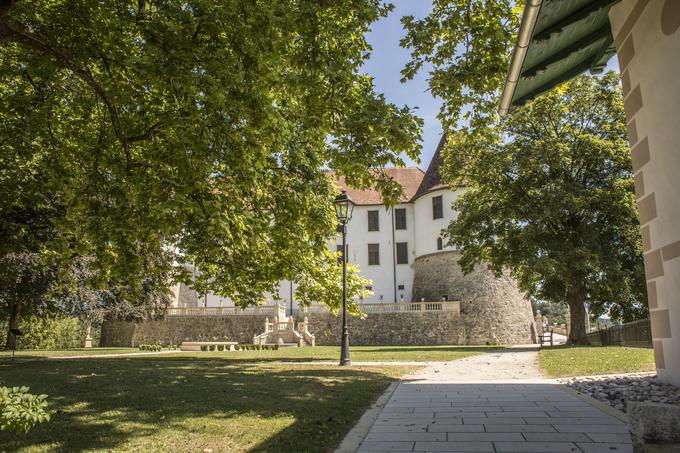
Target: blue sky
<point>388,59</point>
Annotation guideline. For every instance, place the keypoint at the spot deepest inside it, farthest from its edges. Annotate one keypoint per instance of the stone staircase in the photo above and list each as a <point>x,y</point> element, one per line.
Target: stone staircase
<point>284,332</point>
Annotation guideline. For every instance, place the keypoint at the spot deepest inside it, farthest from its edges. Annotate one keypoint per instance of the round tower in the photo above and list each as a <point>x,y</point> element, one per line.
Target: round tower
<point>493,309</point>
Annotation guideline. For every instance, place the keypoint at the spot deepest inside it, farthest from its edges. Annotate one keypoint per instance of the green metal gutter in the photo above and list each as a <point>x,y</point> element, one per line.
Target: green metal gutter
<point>557,40</point>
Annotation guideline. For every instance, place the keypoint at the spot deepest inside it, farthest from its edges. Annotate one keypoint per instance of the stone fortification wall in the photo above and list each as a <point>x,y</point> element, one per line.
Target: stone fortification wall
<point>376,329</point>
<point>175,329</point>
<point>493,310</point>
<point>390,329</point>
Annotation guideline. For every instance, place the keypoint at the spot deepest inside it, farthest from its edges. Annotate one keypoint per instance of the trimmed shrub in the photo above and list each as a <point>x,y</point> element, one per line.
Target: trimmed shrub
<point>150,347</point>
<point>276,347</point>
<point>212,347</point>
<point>220,347</point>
<point>204,347</point>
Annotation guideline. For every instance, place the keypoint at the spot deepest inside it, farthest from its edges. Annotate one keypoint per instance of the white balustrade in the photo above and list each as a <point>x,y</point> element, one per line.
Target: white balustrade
<point>222,311</point>
<point>278,311</point>
<point>399,307</point>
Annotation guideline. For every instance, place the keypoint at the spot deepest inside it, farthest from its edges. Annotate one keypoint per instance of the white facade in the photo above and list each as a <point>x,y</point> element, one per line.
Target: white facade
<point>392,281</point>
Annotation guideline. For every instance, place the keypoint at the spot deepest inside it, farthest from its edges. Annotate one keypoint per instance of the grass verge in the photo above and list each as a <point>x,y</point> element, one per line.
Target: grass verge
<point>68,352</point>
<point>358,353</point>
<point>563,361</point>
<point>170,403</point>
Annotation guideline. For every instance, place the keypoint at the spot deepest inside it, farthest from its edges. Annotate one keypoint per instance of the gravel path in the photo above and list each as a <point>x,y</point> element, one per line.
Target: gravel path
<point>513,363</point>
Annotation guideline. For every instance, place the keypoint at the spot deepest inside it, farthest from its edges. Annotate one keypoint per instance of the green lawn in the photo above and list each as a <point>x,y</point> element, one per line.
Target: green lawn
<point>358,353</point>
<point>565,361</point>
<point>193,402</point>
<point>68,352</point>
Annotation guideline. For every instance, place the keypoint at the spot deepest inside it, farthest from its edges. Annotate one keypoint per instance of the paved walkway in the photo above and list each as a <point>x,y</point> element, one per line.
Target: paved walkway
<point>497,402</point>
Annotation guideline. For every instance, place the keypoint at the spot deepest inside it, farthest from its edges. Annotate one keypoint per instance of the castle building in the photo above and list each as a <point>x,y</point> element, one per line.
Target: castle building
<point>420,294</point>
<point>384,242</point>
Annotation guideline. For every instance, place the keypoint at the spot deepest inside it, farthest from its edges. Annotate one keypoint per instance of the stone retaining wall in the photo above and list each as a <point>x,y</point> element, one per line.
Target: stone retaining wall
<point>390,329</point>
<point>493,311</point>
<point>417,329</point>
<point>175,329</point>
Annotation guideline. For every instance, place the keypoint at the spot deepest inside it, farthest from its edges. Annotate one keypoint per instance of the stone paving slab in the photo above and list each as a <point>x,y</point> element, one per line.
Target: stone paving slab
<point>493,417</point>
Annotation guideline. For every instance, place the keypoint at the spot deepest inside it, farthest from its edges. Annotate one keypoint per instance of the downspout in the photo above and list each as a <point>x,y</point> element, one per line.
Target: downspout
<point>526,31</point>
<point>394,260</point>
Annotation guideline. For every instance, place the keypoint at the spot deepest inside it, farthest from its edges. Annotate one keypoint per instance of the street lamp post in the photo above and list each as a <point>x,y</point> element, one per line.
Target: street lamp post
<point>343,211</point>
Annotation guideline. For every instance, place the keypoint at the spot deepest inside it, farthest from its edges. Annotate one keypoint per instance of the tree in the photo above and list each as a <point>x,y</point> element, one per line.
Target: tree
<point>25,282</point>
<point>467,45</point>
<point>148,134</point>
<point>555,202</point>
<point>322,284</point>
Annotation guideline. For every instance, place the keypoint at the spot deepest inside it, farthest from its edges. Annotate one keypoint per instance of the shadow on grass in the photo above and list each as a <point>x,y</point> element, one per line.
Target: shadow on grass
<point>187,404</point>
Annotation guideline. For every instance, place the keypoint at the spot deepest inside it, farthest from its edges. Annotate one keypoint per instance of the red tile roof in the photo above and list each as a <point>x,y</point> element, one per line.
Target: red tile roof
<point>410,179</point>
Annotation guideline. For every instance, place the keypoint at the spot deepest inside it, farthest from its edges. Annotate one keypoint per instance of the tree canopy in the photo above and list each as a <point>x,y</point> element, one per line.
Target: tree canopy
<point>554,202</point>
<point>467,44</point>
<point>150,133</point>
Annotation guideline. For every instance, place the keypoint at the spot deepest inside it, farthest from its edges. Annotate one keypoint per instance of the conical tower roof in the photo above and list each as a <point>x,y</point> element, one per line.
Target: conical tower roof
<point>432,179</point>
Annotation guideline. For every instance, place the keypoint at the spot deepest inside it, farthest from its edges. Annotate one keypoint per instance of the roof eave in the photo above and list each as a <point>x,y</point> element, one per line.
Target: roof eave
<point>526,31</point>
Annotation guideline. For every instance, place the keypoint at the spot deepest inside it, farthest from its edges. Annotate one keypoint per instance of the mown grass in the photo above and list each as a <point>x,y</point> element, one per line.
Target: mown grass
<point>358,353</point>
<point>565,361</point>
<point>332,353</point>
<point>68,352</point>
<point>191,403</point>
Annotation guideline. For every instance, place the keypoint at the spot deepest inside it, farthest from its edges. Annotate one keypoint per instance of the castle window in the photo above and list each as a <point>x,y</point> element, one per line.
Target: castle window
<point>400,219</point>
<point>400,287</point>
<point>373,222</point>
<point>440,243</point>
<point>437,209</point>
<point>373,254</point>
<point>402,253</point>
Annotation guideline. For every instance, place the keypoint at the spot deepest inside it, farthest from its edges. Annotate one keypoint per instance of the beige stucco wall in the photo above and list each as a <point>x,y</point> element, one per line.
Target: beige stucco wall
<point>647,36</point>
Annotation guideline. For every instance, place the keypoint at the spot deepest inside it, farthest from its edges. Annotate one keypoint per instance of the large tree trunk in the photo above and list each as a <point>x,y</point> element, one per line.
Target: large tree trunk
<point>576,299</point>
<point>14,315</point>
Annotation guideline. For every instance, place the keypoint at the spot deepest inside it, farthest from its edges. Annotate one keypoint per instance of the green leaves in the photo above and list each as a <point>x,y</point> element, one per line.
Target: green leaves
<point>20,411</point>
<point>148,135</point>
<point>555,202</point>
<point>467,45</point>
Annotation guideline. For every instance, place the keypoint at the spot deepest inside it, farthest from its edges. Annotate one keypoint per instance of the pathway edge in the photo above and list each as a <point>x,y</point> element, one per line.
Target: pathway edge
<point>353,439</point>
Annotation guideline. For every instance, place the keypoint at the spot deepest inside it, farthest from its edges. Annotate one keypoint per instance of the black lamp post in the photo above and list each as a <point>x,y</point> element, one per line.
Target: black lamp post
<point>343,211</point>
